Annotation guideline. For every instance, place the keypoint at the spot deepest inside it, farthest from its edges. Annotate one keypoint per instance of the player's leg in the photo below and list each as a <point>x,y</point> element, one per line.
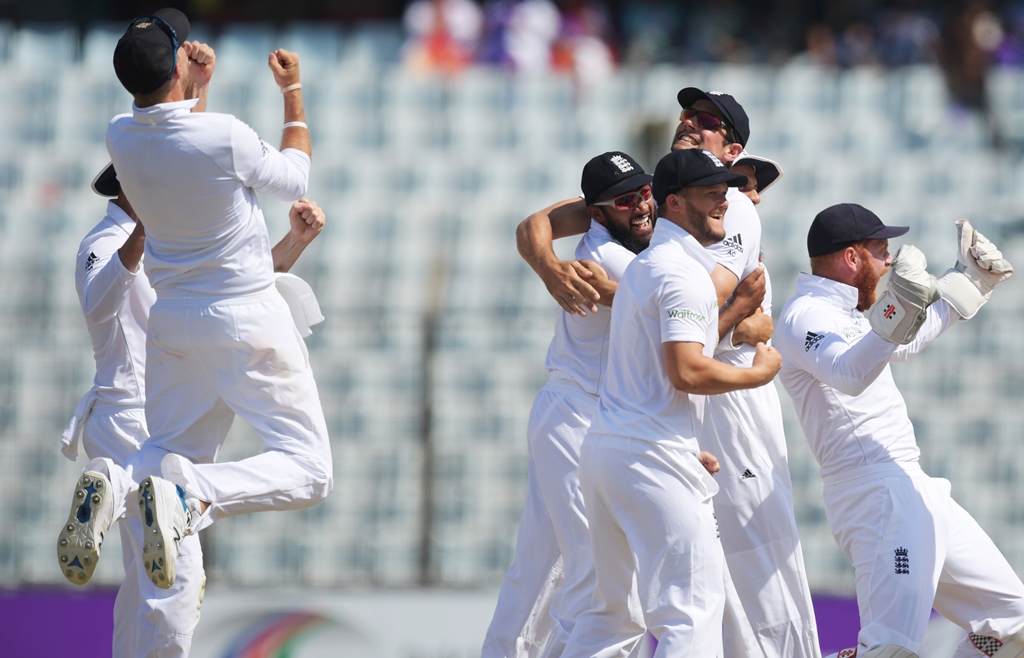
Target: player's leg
<point>251,355</point>
<point>565,417</point>
<point>757,522</point>
<point>609,628</point>
<point>978,588</point>
<point>675,533</point>
<point>525,592</point>
<point>887,526</point>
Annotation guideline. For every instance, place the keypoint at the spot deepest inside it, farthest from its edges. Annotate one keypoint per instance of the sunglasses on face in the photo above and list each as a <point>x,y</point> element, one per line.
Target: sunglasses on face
<point>702,120</point>
<point>629,200</point>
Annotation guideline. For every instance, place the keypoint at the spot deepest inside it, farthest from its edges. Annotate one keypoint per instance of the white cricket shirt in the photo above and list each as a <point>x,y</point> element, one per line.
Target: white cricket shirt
<point>836,370</point>
<point>577,355</point>
<point>192,178</point>
<point>665,295</point>
<point>116,303</point>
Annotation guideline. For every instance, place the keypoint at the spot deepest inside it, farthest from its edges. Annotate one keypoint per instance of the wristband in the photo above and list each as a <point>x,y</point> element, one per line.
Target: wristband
<point>297,85</point>
<point>296,124</point>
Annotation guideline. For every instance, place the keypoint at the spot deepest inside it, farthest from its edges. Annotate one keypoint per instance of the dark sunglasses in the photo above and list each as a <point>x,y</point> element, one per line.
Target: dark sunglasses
<point>629,200</point>
<point>702,120</point>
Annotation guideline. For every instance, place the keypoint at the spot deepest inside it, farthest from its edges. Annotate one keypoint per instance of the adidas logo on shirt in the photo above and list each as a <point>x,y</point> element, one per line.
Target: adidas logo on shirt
<point>90,262</point>
<point>734,243</point>
<point>747,475</point>
<point>812,340</point>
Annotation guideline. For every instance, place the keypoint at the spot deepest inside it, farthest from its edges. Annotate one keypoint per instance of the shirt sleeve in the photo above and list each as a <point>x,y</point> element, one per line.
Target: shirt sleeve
<point>282,175</point>
<point>847,365</point>
<point>102,280</point>
<point>740,251</point>
<point>688,307</point>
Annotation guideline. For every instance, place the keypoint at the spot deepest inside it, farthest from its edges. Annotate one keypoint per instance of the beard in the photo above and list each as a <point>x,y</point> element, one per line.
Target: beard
<point>703,232</point>
<point>865,281</point>
<point>626,238</point>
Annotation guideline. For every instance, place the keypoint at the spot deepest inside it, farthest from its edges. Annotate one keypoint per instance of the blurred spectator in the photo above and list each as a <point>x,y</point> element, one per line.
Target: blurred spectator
<point>520,34</point>
<point>651,32</point>
<point>582,46</point>
<point>442,35</point>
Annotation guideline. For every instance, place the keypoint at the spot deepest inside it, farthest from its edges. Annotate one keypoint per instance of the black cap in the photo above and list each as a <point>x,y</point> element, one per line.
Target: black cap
<point>106,183</point>
<point>610,174</point>
<point>766,171</point>
<point>691,168</point>
<point>145,55</point>
<point>731,110</point>
<point>841,225</point>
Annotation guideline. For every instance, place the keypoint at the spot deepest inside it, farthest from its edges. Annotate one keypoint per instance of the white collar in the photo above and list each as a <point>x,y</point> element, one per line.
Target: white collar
<point>162,111</point>
<point>841,294</point>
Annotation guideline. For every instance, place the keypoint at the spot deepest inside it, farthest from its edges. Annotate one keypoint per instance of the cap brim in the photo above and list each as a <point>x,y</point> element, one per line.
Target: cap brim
<point>690,95</point>
<point>627,185</point>
<point>733,180</point>
<point>106,183</point>
<point>766,171</point>
<point>887,232</point>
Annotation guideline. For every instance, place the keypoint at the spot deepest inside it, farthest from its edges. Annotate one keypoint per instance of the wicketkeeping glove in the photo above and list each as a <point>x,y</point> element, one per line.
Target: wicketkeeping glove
<point>901,310</point>
<point>979,267</point>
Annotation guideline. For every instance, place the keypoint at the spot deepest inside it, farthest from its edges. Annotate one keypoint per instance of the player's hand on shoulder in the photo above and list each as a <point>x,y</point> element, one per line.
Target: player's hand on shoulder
<point>601,282</point>
<point>767,361</point>
<point>565,282</point>
<point>285,65</point>
<point>755,328</point>
<point>306,219</point>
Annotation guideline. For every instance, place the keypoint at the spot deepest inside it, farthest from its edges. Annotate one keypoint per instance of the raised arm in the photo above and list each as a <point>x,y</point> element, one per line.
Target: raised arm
<point>563,279</point>
<point>201,63</point>
<point>306,221</point>
<point>285,65</point>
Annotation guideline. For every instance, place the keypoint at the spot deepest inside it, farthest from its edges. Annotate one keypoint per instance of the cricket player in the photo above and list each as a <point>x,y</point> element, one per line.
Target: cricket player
<point>744,429</point>
<point>221,339</point>
<point>647,494</point>
<point>110,419</point>
<point>912,546</point>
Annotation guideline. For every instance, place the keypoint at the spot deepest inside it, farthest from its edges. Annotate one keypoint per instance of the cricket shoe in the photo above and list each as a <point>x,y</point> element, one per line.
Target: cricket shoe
<point>888,651</point>
<point>92,511</point>
<point>166,519</point>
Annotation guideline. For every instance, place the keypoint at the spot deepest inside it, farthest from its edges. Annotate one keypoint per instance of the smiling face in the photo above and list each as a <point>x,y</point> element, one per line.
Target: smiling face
<point>632,227</point>
<point>705,212</point>
<point>689,133</point>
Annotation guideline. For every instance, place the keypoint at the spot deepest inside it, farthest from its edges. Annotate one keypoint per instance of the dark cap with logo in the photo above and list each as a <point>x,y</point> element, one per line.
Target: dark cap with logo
<point>611,174</point>
<point>145,55</point>
<point>731,110</point>
<point>843,224</point>
<point>106,183</point>
<point>691,168</point>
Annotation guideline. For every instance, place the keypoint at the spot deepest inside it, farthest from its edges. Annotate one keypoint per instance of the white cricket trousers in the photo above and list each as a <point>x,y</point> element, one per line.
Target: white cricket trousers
<point>754,507</point>
<point>206,362</point>
<point>650,515</point>
<point>553,525</point>
<point>914,548</point>
<point>148,621</point>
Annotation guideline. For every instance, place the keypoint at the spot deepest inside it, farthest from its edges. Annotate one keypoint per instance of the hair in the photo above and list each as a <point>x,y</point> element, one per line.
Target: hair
<point>155,96</point>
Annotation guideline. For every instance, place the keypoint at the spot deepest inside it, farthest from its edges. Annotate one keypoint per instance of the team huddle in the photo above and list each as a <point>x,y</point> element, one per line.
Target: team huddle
<point>659,494</point>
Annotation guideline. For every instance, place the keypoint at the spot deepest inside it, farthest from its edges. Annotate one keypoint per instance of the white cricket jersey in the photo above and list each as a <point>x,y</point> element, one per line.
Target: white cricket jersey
<point>193,179</point>
<point>116,303</point>
<point>666,295</point>
<point>836,370</point>
<point>740,253</point>
<point>578,352</point>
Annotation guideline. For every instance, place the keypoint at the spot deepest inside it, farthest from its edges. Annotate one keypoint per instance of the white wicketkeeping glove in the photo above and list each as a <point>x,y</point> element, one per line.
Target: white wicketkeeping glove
<point>979,267</point>
<point>903,307</point>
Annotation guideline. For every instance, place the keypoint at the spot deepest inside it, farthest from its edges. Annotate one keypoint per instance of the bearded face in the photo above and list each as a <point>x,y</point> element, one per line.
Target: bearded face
<point>866,279</point>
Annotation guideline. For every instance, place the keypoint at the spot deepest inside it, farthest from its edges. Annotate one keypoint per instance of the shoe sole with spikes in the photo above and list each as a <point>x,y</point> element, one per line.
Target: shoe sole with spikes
<point>79,542</point>
<point>163,524</point>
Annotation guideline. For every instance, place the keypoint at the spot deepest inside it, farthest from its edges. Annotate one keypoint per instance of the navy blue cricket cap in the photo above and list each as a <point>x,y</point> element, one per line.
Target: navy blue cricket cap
<point>611,174</point>
<point>145,55</point>
<point>843,224</point>
<point>731,110</point>
<point>691,168</point>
